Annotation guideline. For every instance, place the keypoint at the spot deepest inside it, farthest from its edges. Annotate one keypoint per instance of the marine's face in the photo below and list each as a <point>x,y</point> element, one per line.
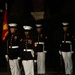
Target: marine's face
<point>12,30</point>
<point>26,33</point>
<point>39,30</point>
<point>65,28</point>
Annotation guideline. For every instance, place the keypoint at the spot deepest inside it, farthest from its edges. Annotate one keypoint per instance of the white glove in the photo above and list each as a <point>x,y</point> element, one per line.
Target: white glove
<point>45,51</point>
<point>18,58</point>
<point>60,52</point>
<point>72,51</point>
<point>35,61</point>
<point>6,56</point>
<point>32,52</point>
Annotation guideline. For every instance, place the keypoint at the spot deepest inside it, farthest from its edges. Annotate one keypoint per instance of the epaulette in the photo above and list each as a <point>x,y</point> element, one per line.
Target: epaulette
<point>21,40</point>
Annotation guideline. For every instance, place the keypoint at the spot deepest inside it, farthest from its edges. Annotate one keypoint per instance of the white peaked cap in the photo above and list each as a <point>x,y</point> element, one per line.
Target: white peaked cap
<point>12,24</point>
<point>38,25</point>
<point>65,23</point>
<point>27,27</point>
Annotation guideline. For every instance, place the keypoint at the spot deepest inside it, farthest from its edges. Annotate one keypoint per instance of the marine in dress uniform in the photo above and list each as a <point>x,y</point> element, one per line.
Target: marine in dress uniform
<point>66,49</point>
<point>40,51</point>
<point>27,51</point>
<point>13,49</point>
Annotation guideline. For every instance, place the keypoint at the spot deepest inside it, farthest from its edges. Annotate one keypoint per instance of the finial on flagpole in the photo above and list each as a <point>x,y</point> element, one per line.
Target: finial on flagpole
<point>6,6</point>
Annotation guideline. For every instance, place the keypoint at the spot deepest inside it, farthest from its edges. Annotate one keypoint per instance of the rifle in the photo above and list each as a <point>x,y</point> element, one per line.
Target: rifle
<point>8,58</point>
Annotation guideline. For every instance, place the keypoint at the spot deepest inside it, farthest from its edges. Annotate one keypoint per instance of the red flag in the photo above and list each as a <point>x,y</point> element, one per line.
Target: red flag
<point>5,26</point>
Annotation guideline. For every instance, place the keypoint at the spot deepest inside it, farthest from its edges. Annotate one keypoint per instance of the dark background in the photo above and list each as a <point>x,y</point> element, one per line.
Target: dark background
<point>56,12</point>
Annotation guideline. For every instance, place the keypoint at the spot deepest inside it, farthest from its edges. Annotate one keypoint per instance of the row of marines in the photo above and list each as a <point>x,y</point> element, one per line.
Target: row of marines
<point>27,48</point>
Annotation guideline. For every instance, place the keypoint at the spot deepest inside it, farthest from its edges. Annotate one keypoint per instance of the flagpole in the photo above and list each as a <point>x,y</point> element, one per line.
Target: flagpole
<point>7,44</point>
<point>7,40</point>
<point>8,58</point>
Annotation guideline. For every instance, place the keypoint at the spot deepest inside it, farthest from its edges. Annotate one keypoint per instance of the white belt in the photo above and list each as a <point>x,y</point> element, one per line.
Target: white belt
<point>28,50</point>
<point>67,42</point>
<point>39,42</point>
<point>13,47</point>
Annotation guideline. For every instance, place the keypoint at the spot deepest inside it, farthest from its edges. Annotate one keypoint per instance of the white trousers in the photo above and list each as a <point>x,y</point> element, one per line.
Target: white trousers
<point>14,67</point>
<point>41,63</point>
<point>28,67</point>
<point>67,57</point>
